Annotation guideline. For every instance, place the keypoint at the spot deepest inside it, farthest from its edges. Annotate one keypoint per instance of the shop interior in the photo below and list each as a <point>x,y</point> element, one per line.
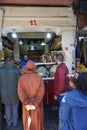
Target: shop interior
<point>34,44</point>
<point>39,46</point>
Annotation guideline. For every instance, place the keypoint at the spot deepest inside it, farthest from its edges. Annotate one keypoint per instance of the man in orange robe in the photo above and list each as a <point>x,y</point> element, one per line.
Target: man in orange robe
<point>31,92</point>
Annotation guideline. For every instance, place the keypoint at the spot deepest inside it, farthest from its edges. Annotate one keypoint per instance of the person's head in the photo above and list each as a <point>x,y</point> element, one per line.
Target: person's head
<point>79,82</point>
<point>26,57</point>
<point>59,58</point>
<point>30,67</point>
<point>72,82</point>
<point>9,59</point>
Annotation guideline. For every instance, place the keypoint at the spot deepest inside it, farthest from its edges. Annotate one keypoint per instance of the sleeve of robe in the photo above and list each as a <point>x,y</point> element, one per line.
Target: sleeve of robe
<point>31,101</point>
<point>40,94</point>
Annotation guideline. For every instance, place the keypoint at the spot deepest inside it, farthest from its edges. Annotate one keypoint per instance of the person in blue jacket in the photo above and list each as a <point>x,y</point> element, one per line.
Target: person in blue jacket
<point>24,61</point>
<point>73,108</point>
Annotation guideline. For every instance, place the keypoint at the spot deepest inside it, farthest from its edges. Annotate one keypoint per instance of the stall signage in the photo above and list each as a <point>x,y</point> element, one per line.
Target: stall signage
<point>32,22</point>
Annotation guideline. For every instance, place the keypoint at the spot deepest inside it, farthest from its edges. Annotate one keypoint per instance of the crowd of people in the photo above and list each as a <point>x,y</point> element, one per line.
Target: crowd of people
<point>72,104</point>
<point>23,85</point>
<point>26,86</point>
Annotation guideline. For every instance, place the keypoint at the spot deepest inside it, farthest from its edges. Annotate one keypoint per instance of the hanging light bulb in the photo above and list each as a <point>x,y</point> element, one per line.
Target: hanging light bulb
<point>32,47</point>
<point>43,44</point>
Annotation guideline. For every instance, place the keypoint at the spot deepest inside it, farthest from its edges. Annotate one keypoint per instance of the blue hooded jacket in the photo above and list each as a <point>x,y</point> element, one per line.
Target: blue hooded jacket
<point>73,111</point>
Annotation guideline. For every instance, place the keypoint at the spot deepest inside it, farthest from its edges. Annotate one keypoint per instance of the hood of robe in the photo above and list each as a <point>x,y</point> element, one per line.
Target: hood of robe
<point>30,67</point>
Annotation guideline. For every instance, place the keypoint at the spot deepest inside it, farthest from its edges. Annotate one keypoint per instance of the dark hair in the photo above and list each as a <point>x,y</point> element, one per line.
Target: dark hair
<point>60,57</point>
<point>81,82</point>
<point>9,58</point>
<point>73,79</point>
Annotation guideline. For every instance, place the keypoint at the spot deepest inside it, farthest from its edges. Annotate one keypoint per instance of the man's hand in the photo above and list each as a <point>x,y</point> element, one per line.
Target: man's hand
<point>55,97</point>
<point>29,107</point>
<point>32,107</point>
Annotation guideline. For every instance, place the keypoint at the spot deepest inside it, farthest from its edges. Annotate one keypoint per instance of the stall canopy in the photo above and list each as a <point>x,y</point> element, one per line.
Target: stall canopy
<point>38,2</point>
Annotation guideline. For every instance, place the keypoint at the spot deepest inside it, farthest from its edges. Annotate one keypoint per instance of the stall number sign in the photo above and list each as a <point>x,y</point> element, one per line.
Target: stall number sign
<point>33,22</point>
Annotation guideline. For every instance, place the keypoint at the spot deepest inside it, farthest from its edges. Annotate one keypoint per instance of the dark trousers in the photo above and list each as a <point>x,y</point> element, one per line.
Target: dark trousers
<point>12,113</point>
<point>59,98</point>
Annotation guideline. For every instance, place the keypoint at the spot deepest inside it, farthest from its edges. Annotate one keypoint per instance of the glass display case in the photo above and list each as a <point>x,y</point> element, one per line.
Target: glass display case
<point>46,70</point>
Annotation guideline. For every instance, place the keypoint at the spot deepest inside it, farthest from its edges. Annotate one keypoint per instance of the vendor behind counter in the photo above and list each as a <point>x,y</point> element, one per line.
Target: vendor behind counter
<point>80,66</point>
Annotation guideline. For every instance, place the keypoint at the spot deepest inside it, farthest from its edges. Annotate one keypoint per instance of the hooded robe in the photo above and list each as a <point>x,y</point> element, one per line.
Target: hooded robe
<point>31,91</point>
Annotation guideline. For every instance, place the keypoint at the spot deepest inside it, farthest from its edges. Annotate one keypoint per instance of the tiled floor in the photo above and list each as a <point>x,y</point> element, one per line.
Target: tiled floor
<point>51,120</point>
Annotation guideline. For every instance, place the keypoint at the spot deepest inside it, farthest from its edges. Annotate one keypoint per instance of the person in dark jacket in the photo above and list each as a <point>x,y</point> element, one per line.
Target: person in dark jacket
<point>61,81</point>
<point>9,76</point>
<point>73,108</point>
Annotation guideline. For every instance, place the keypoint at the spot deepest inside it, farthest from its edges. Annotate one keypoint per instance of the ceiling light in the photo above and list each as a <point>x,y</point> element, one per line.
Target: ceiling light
<point>32,47</point>
<point>20,42</point>
<point>48,35</point>
<point>43,44</point>
<point>14,35</point>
